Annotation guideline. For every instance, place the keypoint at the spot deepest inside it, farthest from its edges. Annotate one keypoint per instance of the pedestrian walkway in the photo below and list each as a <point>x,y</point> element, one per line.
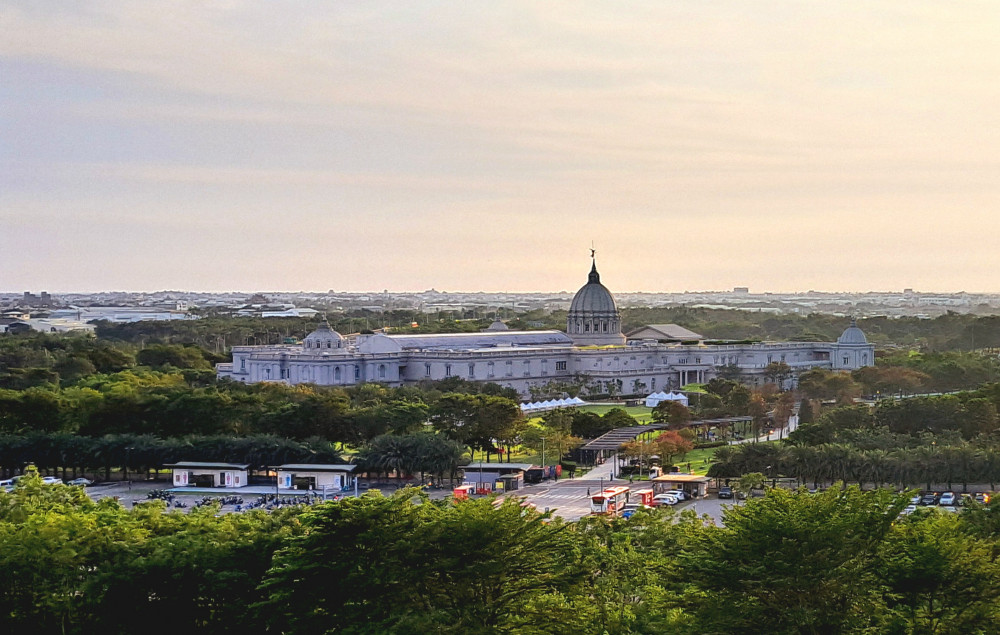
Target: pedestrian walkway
<point>602,471</point>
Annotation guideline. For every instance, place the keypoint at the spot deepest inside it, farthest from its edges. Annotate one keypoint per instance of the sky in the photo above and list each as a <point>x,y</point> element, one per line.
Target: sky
<point>784,146</point>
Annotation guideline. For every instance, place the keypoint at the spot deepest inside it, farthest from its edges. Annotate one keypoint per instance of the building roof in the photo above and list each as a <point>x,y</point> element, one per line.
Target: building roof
<point>671,332</point>
<point>593,298</point>
<point>852,335</point>
<point>180,465</point>
<point>497,326</point>
<point>323,332</point>
<point>476,467</point>
<point>315,467</point>
<point>681,478</point>
<point>492,339</point>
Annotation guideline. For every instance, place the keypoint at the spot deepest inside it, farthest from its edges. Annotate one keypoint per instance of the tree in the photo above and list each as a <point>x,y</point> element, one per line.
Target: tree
<point>806,413</point>
<point>758,410</point>
<point>401,564</point>
<point>777,372</point>
<point>783,409</point>
<point>673,413</point>
<point>670,443</point>
<point>749,482</point>
<point>750,581</point>
<point>939,579</point>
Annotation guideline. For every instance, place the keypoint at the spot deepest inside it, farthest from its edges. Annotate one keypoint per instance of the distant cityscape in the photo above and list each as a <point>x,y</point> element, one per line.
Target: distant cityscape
<point>70,311</point>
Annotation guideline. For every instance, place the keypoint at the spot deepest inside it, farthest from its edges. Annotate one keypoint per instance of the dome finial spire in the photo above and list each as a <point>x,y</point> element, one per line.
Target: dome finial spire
<point>594,276</point>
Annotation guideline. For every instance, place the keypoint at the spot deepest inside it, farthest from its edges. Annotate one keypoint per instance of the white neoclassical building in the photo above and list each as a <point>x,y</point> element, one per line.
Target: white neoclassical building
<point>592,350</point>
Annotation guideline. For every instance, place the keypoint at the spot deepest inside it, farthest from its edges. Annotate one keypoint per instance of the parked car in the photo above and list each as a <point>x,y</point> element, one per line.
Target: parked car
<point>51,480</point>
<point>947,499</point>
<point>909,509</point>
<point>915,500</point>
<point>680,494</point>
<point>982,497</point>
<point>631,509</point>
<point>664,499</point>
<point>80,481</point>
<point>725,492</point>
<point>929,499</point>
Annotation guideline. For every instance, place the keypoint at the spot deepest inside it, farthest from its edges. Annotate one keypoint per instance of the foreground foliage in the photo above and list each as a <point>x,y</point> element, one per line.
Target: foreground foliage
<point>843,561</point>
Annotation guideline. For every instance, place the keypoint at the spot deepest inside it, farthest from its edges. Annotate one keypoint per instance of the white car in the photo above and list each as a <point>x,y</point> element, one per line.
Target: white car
<point>909,509</point>
<point>665,499</point>
<point>947,499</point>
<point>80,481</point>
<point>678,494</point>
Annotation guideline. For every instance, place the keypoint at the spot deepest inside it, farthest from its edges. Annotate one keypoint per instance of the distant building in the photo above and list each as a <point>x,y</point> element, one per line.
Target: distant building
<point>43,300</point>
<point>593,351</point>
<point>741,290</point>
<point>663,333</point>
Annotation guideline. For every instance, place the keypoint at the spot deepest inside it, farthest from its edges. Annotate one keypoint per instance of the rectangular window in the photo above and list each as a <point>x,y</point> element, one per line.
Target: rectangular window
<point>560,365</point>
<point>447,370</point>
<point>427,370</point>
<point>510,368</point>
<point>472,371</point>
<point>357,373</point>
<point>489,369</point>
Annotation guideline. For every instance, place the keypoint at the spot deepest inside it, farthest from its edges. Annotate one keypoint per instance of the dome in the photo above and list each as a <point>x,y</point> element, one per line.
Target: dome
<point>852,335</point>
<point>593,318</point>
<point>324,337</point>
<point>497,326</point>
<point>593,298</point>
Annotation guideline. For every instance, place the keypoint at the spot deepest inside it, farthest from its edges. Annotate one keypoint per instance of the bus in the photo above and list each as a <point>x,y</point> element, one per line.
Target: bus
<point>609,502</point>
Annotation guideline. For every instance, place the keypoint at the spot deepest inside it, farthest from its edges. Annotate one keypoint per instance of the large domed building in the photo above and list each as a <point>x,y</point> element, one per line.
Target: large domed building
<point>594,319</point>
<point>592,352</point>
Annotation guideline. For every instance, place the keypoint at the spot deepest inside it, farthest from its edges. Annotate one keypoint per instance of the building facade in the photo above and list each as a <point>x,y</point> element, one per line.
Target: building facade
<point>592,352</point>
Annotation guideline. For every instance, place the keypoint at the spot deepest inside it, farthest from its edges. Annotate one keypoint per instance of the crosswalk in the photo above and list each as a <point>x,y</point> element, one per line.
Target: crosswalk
<point>561,496</point>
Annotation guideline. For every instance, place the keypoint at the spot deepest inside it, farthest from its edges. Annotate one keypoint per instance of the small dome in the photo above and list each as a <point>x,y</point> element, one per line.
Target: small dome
<point>593,298</point>
<point>497,326</point>
<point>324,337</point>
<point>852,335</point>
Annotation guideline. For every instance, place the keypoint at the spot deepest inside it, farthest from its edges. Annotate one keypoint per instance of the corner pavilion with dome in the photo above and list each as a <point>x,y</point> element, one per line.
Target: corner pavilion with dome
<point>593,349</point>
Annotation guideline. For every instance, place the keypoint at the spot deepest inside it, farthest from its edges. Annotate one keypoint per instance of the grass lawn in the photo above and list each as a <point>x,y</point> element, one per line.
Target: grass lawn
<point>641,413</point>
<point>700,460</point>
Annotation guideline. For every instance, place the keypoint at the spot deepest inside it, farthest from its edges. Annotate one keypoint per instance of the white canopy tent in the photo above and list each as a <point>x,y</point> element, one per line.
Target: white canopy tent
<point>654,399</point>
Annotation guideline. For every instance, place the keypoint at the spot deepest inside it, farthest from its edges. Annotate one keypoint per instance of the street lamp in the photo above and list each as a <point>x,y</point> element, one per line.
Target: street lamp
<point>128,455</point>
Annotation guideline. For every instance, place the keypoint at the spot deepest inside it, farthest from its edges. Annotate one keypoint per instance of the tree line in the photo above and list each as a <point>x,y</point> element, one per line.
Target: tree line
<point>947,439</point>
<point>842,561</point>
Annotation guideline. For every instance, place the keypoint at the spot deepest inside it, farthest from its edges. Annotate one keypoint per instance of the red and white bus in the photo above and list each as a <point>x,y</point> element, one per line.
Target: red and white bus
<point>609,502</point>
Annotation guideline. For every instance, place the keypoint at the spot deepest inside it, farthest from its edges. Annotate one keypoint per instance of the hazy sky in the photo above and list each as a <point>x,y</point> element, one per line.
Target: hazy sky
<point>484,145</point>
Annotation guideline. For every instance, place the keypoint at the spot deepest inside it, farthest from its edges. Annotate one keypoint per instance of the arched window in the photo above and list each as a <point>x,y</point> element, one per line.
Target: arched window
<point>336,373</point>
<point>381,371</point>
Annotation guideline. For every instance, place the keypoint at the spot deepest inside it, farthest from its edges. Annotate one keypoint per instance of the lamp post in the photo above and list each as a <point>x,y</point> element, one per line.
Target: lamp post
<point>128,455</point>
